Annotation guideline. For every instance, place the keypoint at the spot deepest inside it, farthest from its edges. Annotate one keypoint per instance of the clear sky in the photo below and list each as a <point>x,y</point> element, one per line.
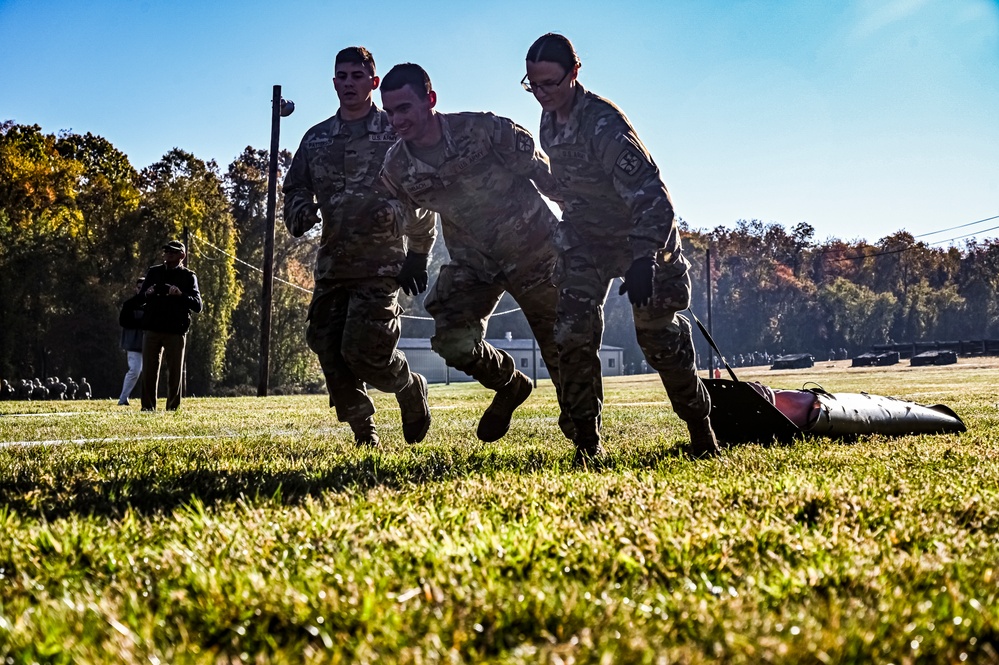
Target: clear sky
<point>860,117</point>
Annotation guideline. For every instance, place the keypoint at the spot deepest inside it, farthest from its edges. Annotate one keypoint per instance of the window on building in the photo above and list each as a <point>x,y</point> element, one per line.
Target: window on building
<point>610,362</point>
<point>523,362</point>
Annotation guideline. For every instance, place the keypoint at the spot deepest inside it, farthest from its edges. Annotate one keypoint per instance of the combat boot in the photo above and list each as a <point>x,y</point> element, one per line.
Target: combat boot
<point>565,424</point>
<point>364,432</point>
<point>495,422</point>
<point>703,443</point>
<point>414,408</point>
<point>587,440</point>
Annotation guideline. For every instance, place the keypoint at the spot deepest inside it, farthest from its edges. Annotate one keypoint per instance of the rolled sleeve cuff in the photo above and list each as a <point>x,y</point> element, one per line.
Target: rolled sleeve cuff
<point>643,247</point>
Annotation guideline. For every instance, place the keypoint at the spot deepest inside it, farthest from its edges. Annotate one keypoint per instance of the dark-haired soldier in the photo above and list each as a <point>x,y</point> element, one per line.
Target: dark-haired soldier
<point>370,246</point>
<point>617,220</point>
<point>478,171</point>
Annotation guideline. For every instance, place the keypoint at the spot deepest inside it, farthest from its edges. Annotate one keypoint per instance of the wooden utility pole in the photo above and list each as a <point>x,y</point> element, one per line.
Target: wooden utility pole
<point>266,296</point>
<point>707,277</point>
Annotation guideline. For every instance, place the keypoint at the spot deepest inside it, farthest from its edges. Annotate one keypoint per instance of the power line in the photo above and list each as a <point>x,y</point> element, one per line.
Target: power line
<point>249,265</point>
<point>908,247</point>
<point>830,250</point>
<point>933,233</point>
<point>967,235</point>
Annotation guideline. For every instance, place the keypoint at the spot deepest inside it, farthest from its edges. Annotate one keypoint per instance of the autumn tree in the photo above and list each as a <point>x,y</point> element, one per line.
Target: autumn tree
<point>183,197</point>
<point>291,361</point>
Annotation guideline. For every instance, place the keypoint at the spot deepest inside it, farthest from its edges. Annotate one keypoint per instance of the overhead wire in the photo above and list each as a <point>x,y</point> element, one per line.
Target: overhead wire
<point>960,226</point>
<point>909,247</point>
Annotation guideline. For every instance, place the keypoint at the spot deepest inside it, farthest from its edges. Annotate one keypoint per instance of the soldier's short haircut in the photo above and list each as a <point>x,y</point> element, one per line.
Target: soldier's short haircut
<point>357,55</point>
<point>408,74</point>
<point>553,47</point>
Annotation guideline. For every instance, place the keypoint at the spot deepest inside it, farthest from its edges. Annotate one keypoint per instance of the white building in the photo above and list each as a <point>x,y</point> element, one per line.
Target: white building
<point>525,353</point>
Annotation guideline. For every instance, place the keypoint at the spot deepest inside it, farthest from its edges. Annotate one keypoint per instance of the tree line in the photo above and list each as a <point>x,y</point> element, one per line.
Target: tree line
<point>78,224</point>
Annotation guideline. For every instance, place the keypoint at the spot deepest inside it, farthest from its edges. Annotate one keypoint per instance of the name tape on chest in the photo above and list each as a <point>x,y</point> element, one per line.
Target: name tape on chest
<point>318,142</point>
<point>451,168</point>
<point>414,187</point>
<point>569,153</point>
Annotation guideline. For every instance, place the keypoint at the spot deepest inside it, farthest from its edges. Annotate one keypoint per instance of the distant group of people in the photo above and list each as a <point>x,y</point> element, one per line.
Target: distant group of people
<point>839,354</point>
<point>53,388</point>
<point>154,322</point>
<point>751,359</point>
<point>372,179</point>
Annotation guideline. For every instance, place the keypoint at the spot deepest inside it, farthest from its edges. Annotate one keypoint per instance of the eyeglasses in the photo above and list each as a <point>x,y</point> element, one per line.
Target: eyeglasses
<point>541,87</point>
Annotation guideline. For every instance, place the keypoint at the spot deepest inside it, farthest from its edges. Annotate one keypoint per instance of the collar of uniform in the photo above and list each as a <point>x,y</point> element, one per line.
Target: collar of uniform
<point>571,127</point>
<point>450,147</point>
<point>376,122</point>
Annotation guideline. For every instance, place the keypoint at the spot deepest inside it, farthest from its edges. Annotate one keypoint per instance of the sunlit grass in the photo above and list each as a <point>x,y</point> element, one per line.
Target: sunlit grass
<point>252,530</point>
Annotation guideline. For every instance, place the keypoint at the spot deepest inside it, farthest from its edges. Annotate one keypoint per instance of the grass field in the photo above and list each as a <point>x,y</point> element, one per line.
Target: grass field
<point>252,530</point>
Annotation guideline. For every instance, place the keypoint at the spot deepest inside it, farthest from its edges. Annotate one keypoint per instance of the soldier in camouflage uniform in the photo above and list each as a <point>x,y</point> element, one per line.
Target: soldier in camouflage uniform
<point>617,221</point>
<point>363,257</point>
<point>476,170</point>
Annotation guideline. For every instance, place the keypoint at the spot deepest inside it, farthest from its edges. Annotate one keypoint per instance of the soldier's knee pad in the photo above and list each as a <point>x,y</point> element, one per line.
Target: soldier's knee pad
<point>672,351</point>
<point>457,348</point>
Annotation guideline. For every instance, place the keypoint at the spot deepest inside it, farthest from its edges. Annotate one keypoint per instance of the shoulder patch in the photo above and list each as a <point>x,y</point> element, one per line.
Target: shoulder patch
<point>628,162</point>
<point>524,143</point>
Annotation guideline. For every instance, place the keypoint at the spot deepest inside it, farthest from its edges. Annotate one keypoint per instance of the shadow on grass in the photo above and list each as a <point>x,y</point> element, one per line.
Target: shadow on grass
<point>109,489</point>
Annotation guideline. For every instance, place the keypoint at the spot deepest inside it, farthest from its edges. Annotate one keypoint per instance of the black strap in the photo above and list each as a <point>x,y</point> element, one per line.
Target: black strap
<point>704,331</point>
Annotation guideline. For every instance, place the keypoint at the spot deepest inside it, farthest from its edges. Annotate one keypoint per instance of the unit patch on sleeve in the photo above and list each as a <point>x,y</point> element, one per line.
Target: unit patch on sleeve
<point>629,162</point>
<point>524,143</point>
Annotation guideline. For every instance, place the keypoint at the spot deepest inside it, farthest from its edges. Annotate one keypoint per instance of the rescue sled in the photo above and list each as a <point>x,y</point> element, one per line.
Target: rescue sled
<point>744,412</point>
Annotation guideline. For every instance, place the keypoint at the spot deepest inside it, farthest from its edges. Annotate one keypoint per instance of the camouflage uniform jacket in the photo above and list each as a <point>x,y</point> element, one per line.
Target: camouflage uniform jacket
<point>613,194</point>
<point>493,218</point>
<point>363,226</point>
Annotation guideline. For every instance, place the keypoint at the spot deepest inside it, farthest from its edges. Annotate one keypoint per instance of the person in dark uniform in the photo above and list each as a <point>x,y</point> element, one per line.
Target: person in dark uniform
<point>170,293</point>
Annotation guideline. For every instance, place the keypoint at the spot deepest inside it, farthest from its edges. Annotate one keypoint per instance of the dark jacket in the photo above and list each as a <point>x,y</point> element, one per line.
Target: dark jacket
<point>165,313</point>
<point>130,320</point>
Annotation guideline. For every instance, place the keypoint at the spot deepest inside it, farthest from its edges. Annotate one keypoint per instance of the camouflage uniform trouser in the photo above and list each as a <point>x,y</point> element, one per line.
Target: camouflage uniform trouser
<point>354,329</point>
<point>461,301</point>
<point>583,276</point>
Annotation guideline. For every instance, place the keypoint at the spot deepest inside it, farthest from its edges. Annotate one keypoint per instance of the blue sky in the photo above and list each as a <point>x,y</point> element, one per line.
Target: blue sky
<point>859,117</point>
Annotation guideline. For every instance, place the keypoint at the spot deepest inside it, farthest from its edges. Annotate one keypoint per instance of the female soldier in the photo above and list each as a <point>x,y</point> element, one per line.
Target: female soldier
<point>617,220</point>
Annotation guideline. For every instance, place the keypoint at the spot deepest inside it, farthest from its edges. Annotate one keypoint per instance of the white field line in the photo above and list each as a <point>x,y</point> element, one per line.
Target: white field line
<point>177,437</point>
<point>54,413</point>
<point>117,439</point>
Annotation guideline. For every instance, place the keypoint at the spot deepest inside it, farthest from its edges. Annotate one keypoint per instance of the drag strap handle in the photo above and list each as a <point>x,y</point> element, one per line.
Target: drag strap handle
<point>704,331</point>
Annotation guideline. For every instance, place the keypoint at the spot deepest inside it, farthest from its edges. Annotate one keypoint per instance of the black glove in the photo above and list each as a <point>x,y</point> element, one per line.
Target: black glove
<point>413,277</point>
<point>638,281</point>
<point>303,219</point>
